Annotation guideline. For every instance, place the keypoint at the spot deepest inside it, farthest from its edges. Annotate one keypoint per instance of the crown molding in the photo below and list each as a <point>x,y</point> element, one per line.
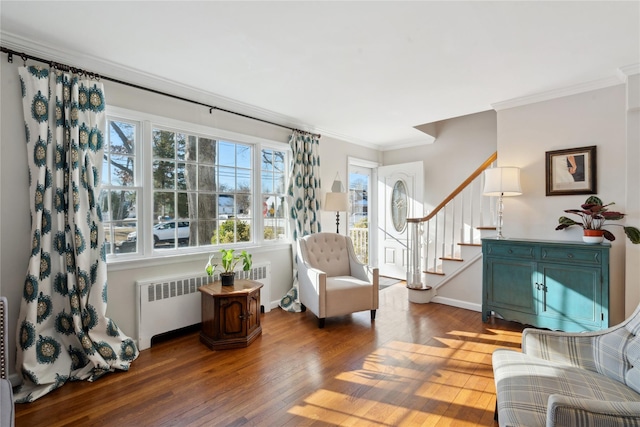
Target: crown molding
<point>625,72</point>
<point>152,81</point>
<point>559,92</point>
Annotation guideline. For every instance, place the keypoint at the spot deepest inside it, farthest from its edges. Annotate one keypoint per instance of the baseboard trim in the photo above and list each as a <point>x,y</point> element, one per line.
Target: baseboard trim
<point>457,303</point>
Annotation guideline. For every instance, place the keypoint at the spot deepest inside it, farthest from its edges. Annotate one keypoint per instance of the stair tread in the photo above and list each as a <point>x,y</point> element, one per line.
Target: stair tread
<point>451,259</point>
<point>437,272</point>
<point>486,228</point>
<point>470,244</point>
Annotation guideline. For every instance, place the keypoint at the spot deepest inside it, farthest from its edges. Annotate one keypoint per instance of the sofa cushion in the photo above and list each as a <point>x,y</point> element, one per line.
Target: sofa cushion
<point>524,384</point>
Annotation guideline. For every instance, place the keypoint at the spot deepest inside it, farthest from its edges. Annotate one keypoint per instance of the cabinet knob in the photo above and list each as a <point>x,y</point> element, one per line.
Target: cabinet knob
<point>569,255</point>
<point>510,251</point>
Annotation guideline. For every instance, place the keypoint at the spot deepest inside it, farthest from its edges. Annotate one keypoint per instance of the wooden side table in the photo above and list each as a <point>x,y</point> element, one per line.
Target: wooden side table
<point>230,314</point>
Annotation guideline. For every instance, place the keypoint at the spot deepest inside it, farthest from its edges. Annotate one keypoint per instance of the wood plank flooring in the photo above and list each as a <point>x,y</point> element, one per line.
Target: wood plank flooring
<point>416,365</point>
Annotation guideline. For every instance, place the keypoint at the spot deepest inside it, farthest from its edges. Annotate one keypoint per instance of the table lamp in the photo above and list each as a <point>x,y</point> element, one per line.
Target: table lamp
<point>502,182</point>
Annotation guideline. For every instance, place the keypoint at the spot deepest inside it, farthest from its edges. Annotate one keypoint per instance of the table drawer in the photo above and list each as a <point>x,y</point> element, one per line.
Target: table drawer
<point>513,251</point>
<point>583,256</point>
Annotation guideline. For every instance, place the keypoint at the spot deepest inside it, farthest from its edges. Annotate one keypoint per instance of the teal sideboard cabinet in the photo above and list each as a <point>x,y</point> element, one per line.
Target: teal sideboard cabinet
<point>548,284</point>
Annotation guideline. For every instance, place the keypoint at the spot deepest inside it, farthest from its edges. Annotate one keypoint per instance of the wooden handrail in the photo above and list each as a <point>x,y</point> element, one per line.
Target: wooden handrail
<point>458,190</point>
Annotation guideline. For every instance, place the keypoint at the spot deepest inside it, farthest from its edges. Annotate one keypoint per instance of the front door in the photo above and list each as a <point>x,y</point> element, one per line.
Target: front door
<point>400,195</point>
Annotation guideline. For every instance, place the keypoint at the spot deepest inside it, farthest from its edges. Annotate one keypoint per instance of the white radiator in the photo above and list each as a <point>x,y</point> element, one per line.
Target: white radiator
<point>169,303</point>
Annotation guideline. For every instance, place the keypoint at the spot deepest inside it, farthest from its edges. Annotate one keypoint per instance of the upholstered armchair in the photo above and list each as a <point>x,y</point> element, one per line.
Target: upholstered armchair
<point>331,279</point>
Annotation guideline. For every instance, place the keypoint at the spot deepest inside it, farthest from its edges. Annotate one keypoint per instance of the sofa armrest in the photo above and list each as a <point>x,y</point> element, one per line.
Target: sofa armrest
<point>567,411</point>
<point>574,349</point>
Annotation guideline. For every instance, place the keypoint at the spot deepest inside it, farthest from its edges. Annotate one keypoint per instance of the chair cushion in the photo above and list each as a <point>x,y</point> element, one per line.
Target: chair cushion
<point>346,294</point>
<point>524,383</point>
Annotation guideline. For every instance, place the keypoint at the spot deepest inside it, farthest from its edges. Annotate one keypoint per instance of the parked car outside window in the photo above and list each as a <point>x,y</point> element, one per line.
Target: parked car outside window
<point>165,232</point>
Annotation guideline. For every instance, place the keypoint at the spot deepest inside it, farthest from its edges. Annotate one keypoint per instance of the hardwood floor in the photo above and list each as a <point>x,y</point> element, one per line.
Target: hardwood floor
<point>417,364</point>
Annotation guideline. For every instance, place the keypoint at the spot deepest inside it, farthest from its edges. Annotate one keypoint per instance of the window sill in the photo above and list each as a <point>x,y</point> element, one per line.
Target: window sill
<point>117,263</point>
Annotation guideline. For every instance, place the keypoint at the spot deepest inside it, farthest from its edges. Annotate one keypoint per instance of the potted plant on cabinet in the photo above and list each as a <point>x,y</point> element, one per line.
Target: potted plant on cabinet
<point>228,261</point>
<point>593,217</point>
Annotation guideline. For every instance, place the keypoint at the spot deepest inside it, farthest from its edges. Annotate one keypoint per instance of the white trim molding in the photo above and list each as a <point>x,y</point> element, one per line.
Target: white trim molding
<point>560,92</point>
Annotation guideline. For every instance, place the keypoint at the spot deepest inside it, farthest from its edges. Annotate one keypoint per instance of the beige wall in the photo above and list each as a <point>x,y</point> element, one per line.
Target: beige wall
<point>632,290</point>
<point>461,145</point>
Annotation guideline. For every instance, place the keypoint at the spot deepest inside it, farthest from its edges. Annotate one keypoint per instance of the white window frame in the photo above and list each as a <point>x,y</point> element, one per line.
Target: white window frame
<point>144,179</point>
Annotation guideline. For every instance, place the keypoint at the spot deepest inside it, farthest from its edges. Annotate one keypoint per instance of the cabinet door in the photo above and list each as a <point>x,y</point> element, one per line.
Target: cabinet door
<point>253,321</point>
<point>509,285</point>
<point>571,297</point>
<point>232,317</point>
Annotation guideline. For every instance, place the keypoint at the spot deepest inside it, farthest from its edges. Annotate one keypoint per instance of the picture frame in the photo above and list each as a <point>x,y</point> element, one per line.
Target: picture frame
<point>571,171</point>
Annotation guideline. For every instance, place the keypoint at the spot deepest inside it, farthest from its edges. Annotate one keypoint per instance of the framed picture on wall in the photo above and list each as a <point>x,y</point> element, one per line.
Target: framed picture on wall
<point>571,171</point>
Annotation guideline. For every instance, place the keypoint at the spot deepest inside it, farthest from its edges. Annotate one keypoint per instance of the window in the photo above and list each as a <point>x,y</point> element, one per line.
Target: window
<point>273,193</point>
<point>119,196</point>
<point>199,187</point>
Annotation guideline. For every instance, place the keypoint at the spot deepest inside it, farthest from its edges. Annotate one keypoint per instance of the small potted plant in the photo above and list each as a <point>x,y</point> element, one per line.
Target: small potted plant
<point>594,215</point>
<point>228,261</point>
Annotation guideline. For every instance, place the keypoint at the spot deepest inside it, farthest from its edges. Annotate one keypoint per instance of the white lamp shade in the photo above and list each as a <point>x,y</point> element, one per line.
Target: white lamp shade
<point>337,202</point>
<point>502,181</point>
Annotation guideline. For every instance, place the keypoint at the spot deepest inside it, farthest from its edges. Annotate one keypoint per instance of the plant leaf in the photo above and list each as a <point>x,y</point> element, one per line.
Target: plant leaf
<point>633,234</point>
<point>612,216</point>
<point>567,222</point>
<point>608,235</point>
<point>593,200</point>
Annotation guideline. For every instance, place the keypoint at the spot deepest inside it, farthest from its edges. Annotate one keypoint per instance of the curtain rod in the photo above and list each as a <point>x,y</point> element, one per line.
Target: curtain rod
<point>58,65</point>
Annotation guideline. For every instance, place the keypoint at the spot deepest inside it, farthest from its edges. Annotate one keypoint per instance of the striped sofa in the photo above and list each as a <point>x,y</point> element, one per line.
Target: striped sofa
<point>571,379</point>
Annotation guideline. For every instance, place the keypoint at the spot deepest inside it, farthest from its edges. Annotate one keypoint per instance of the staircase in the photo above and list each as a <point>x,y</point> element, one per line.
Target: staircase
<point>445,245</point>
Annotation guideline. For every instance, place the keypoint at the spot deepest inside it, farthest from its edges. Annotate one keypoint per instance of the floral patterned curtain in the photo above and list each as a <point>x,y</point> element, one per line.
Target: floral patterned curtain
<point>63,333</point>
<point>304,194</point>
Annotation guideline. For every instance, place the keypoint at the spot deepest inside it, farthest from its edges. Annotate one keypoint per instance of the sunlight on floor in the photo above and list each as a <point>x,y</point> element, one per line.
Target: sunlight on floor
<point>406,383</point>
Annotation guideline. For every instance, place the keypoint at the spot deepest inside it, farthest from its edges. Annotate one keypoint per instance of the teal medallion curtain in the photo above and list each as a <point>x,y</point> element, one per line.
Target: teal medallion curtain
<point>63,332</point>
<point>304,200</point>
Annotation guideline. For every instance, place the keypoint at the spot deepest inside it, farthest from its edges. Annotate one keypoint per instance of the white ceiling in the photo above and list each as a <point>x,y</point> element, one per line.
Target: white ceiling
<point>366,72</point>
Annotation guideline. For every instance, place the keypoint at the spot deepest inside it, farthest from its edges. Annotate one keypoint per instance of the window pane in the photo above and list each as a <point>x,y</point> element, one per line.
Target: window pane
<point>181,181</point>
<point>279,183</point>
<point>191,149</point>
<point>184,210</point>
<point>207,207</point>
<point>210,238</point>
<point>267,160</point>
<point>163,206</point>
<point>227,153</point>
<point>243,158</point>
<point>164,145</point>
<point>163,174</point>
<point>226,206</point>
<point>121,137</point>
<point>243,204</point>
<point>278,161</point>
<point>267,182</point>
<point>206,179</point>
<point>227,179</point>
<point>243,180</point>
<point>244,231</point>
<point>206,151</point>
<point>181,146</point>
<point>121,170</point>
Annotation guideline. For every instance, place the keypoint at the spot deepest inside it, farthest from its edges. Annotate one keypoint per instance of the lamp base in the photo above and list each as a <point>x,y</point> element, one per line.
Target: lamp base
<point>338,222</point>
